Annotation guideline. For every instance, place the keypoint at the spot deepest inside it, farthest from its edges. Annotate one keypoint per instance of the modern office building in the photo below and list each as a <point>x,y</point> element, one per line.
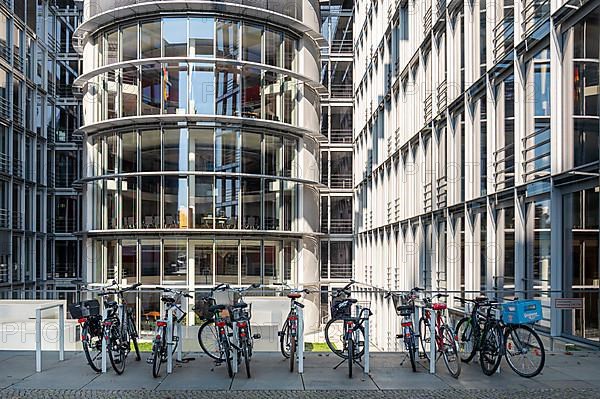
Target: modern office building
<point>336,147</point>
<point>39,152</point>
<point>476,154</point>
<point>201,127</point>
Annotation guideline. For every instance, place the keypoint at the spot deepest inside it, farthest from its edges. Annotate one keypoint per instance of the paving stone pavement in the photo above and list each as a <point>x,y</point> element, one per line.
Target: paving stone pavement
<point>565,376</point>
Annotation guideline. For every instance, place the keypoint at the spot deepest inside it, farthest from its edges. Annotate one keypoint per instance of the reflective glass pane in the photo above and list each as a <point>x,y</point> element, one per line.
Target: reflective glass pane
<point>289,46</point>
<point>128,262</point>
<point>129,92</point>
<point>150,151</point>
<point>201,149</point>
<point>289,157</point>
<point>272,88</point>
<point>176,202</point>
<point>226,150</point>
<point>201,253</point>
<point>150,39</point>
<point>175,262</point>
<point>273,48</point>
<point>175,37</point>
<point>271,256</point>
<point>251,262</point>
<point>201,202</point>
<point>175,149</point>
<point>226,260</point>
<point>111,203</point>
<point>227,39</point>
<point>150,262</point>
<point>129,202</point>
<point>129,43</point>
<point>202,32</point>
<point>251,202</point>
<point>289,204</point>
<point>273,155</point>
<point>150,202</point>
<point>202,100</point>
<point>129,152</point>
<point>151,89</point>
<point>251,153</point>
<point>227,87</point>
<point>251,93</point>
<point>252,43</point>
<point>175,88</point>
<point>272,194</point>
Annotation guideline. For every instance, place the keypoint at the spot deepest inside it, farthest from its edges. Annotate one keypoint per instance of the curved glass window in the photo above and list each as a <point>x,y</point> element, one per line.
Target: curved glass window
<point>227,39</point>
<point>150,40</point>
<point>193,148</point>
<point>175,37</point>
<point>201,37</point>
<point>202,89</point>
<point>129,41</point>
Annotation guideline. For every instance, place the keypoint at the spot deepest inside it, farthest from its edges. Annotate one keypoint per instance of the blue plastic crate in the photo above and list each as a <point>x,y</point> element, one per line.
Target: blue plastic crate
<point>522,311</point>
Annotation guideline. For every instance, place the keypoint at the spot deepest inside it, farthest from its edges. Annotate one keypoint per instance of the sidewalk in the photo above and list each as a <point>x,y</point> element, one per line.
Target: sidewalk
<point>565,376</point>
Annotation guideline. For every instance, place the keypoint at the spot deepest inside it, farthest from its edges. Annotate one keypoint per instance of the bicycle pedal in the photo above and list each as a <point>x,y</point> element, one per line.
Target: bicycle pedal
<point>256,336</point>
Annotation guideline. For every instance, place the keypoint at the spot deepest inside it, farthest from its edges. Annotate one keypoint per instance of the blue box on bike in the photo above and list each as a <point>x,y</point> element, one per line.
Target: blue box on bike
<point>526,311</point>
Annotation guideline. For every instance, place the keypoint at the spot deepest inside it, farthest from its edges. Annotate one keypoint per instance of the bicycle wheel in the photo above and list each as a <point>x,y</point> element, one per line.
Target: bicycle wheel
<point>524,350</point>
<point>116,349</point>
<point>450,351</point>
<point>350,356</point>
<point>208,338</point>
<point>466,339</point>
<point>132,332</point>
<point>412,351</point>
<point>228,358</point>
<point>158,351</point>
<point>284,340</point>
<point>424,335</point>
<point>490,351</point>
<point>246,355</point>
<point>292,355</point>
<point>334,337</point>
<point>92,347</point>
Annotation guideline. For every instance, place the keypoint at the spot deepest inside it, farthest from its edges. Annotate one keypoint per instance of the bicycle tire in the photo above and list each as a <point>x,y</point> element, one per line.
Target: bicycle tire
<point>87,349</point>
<point>292,356</point>
<point>490,351</point>
<point>510,333</point>
<point>228,359</point>
<point>207,333</point>
<point>157,355</point>
<point>466,338</point>
<point>424,335</point>
<point>331,343</point>
<point>246,356</point>
<point>283,339</point>
<point>449,344</point>
<point>116,351</point>
<point>133,336</point>
<point>412,352</point>
<point>350,356</point>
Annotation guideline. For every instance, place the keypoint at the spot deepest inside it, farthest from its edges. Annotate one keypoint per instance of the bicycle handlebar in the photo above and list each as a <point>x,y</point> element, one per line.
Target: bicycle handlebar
<point>174,291</point>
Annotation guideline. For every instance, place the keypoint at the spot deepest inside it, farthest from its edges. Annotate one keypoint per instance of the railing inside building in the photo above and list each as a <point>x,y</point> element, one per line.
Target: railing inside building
<point>535,13</point>
<point>341,226</point>
<point>341,136</point>
<point>341,181</point>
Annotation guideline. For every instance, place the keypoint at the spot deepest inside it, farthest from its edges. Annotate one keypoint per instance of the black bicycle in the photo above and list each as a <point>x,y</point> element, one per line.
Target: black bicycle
<point>160,345</point>
<point>119,327</point>
<point>88,316</point>
<point>341,307</point>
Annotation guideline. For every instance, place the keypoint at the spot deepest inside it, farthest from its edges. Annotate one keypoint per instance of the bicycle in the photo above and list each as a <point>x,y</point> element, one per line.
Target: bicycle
<point>445,339</point>
<point>405,308</point>
<point>288,336</point>
<point>119,327</point>
<point>230,315</point>
<point>159,344</point>
<point>494,338</point>
<point>89,318</point>
<point>341,307</point>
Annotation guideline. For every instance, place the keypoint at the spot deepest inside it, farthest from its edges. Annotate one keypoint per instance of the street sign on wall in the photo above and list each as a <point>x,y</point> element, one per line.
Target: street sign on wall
<point>567,303</point>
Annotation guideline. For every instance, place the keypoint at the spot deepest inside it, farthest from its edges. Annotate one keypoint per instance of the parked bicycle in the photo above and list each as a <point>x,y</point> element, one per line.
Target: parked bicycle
<point>160,344</point>
<point>230,315</point>
<point>89,318</point>
<point>404,305</point>
<point>481,331</point>
<point>351,335</point>
<point>445,339</point>
<point>288,336</point>
<point>119,329</point>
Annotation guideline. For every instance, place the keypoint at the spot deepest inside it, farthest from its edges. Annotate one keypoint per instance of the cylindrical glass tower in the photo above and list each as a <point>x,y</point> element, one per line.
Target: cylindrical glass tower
<point>201,128</point>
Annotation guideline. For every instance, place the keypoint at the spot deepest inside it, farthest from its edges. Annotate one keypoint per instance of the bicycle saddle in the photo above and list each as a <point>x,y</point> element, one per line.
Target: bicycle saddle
<point>352,300</point>
<point>294,295</point>
<point>167,299</point>
<point>241,305</point>
<point>112,304</point>
<point>214,308</point>
<point>481,299</point>
<point>439,306</point>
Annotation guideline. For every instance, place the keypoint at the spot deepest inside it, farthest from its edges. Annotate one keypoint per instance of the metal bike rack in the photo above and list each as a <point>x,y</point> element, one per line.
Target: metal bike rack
<point>170,342</point>
<point>433,342</point>
<point>234,348</point>
<point>367,363</point>
<point>300,333</point>
<point>38,334</point>
<point>104,342</point>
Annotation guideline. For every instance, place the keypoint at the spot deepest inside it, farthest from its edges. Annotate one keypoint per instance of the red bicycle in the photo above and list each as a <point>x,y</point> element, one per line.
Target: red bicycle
<point>445,338</point>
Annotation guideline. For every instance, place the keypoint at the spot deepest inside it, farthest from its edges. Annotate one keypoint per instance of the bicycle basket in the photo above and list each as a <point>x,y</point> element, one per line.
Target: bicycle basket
<point>85,309</point>
<point>522,312</point>
<point>340,308</point>
<point>402,307</point>
<point>202,308</point>
<point>227,297</point>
